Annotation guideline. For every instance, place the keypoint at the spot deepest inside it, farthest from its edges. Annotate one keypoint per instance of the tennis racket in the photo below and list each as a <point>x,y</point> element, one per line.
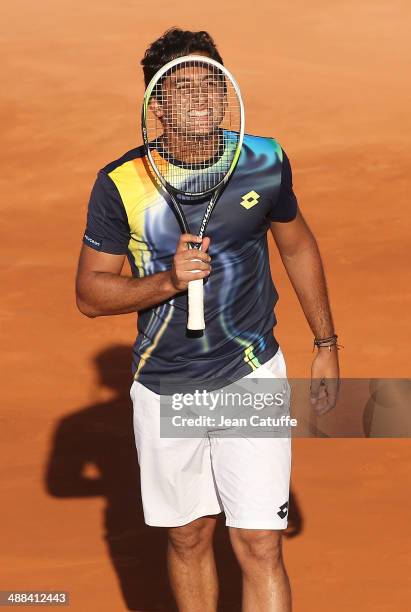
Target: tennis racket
<point>193,129</point>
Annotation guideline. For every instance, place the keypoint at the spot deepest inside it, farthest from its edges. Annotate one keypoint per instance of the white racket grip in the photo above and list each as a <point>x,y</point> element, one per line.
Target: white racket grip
<point>196,305</point>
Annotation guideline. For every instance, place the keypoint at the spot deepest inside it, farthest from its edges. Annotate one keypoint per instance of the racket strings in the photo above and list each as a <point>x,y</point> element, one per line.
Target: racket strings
<point>193,127</point>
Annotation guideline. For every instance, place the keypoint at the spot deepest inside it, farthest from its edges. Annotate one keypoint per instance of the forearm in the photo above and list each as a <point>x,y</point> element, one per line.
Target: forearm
<point>306,273</point>
<point>104,293</point>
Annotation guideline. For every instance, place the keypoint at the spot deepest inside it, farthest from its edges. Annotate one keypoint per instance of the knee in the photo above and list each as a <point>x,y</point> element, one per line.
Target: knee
<point>259,547</point>
<point>192,538</point>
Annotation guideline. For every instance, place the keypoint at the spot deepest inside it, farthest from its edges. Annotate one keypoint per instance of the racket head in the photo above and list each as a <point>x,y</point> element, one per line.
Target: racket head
<point>193,125</point>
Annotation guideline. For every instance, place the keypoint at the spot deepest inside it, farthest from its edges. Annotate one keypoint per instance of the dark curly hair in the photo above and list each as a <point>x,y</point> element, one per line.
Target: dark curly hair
<point>176,43</point>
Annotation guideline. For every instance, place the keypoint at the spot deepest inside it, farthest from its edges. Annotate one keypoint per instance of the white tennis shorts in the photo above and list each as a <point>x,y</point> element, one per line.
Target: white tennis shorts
<point>182,479</point>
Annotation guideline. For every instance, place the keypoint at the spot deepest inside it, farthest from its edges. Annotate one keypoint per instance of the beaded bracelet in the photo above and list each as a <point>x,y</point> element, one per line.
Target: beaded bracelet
<point>327,342</point>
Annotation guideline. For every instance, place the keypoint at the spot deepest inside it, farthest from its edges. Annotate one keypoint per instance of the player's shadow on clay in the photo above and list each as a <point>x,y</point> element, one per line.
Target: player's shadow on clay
<point>93,454</point>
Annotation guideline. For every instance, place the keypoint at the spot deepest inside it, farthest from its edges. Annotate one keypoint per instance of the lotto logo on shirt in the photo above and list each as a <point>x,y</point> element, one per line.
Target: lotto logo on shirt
<point>250,199</point>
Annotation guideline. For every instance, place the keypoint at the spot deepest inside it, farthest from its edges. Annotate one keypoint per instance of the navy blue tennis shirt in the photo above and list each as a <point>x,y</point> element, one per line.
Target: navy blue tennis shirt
<point>128,215</point>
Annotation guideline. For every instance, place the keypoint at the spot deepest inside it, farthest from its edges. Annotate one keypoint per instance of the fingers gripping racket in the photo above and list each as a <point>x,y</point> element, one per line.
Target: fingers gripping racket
<point>193,129</point>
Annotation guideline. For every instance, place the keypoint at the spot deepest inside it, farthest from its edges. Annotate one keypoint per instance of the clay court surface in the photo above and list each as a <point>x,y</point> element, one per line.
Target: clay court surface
<point>330,80</point>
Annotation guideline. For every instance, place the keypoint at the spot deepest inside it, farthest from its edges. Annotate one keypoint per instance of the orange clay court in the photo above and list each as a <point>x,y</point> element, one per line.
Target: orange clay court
<point>330,81</point>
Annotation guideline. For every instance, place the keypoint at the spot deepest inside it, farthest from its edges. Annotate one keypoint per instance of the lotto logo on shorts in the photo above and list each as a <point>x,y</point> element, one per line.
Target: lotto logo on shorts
<point>250,199</point>
<point>283,510</point>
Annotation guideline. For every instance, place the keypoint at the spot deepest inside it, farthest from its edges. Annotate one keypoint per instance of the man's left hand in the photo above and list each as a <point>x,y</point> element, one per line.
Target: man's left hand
<point>325,380</point>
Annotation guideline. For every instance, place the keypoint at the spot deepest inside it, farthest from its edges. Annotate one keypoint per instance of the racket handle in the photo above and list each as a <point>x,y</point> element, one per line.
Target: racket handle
<point>196,305</point>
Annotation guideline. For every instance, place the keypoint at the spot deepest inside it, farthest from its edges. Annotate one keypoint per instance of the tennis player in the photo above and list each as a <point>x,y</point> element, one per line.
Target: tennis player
<point>186,482</point>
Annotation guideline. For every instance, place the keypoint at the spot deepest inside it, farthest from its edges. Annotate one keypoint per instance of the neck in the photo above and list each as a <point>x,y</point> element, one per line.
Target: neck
<point>192,150</point>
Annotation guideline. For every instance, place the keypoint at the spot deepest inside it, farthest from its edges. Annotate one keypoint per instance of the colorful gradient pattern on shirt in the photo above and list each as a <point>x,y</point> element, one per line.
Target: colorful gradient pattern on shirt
<point>239,294</point>
<point>206,176</point>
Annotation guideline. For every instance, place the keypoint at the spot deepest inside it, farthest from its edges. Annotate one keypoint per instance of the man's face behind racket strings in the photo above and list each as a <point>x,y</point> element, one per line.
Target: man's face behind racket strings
<point>190,104</point>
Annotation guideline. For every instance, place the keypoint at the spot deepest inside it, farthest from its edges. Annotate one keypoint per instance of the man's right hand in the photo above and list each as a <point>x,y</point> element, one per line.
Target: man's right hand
<point>187,259</point>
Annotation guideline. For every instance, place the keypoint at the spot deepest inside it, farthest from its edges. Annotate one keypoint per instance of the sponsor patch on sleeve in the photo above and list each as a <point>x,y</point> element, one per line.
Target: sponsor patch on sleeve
<point>93,241</point>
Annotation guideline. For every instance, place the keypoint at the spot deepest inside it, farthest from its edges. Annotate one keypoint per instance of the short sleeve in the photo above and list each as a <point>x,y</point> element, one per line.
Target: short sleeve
<point>286,206</point>
<point>107,226</point>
